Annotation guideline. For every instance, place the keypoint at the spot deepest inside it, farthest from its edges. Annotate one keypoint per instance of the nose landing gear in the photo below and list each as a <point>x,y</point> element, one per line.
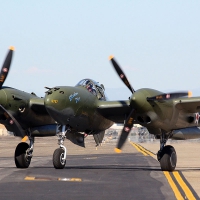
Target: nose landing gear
<point>59,155</point>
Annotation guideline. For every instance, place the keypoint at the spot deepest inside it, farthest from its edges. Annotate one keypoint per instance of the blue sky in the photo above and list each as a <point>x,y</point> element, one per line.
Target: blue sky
<point>157,43</point>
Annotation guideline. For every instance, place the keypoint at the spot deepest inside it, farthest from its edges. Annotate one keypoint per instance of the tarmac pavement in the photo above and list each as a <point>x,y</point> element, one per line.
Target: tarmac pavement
<point>97,173</point>
<point>188,158</point>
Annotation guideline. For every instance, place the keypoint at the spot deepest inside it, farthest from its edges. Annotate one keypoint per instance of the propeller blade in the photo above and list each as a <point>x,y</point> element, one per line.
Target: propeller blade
<point>13,122</point>
<point>6,66</point>
<point>169,96</point>
<point>121,74</point>
<point>125,131</point>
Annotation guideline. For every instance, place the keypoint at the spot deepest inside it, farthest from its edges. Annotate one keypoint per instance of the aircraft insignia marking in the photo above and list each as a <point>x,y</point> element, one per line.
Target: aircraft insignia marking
<point>72,96</point>
<point>127,129</point>
<point>196,118</point>
<point>121,75</point>
<point>77,99</point>
<point>5,70</point>
<point>54,101</point>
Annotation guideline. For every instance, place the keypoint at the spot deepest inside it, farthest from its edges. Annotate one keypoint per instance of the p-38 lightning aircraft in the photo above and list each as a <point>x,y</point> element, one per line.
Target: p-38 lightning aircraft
<point>84,108</point>
<point>25,115</point>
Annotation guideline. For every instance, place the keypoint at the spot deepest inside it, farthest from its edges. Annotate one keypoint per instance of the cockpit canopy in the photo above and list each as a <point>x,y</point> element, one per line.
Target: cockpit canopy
<point>93,87</point>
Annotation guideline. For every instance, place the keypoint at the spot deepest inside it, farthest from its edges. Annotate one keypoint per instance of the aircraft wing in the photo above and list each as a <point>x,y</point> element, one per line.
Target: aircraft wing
<point>190,105</point>
<point>116,111</point>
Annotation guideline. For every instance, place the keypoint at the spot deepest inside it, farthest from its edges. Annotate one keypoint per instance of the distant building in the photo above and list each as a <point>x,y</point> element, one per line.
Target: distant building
<point>3,131</point>
<point>137,133</point>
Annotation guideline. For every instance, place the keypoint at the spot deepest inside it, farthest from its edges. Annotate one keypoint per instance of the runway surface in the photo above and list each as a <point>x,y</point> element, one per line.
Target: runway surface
<point>89,173</point>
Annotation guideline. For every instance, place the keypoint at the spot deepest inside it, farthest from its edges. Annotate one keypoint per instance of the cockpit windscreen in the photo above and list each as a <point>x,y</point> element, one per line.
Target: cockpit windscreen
<point>93,87</point>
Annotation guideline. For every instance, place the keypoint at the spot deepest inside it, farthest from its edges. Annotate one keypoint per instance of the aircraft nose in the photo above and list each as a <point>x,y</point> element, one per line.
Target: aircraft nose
<point>58,104</point>
<point>54,98</point>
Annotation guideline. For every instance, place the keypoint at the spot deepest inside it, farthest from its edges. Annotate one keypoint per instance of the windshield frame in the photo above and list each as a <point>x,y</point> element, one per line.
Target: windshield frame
<point>93,87</point>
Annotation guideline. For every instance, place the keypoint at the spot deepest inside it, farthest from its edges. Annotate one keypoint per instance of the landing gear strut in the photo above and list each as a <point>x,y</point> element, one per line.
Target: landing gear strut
<point>23,153</point>
<point>59,155</point>
<point>166,155</point>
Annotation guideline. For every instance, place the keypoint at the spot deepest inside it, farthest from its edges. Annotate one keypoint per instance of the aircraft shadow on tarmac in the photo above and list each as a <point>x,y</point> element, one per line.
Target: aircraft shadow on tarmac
<point>94,161</point>
<point>138,168</point>
<point>114,167</point>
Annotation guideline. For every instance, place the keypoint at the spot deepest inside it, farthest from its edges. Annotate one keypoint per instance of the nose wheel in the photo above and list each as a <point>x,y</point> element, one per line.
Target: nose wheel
<point>59,160</point>
<point>59,155</point>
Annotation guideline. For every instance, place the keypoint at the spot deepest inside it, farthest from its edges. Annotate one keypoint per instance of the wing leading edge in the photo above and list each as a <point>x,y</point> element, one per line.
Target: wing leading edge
<point>116,111</point>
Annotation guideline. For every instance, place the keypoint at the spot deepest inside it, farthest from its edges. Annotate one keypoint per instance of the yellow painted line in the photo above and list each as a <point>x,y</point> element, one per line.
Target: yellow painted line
<point>24,139</point>
<point>176,174</point>
<point>29,178</point>
<point>76,179</point>
<point>70,179</point>
<point>142,149</point>
<point>145,154</point>
<point>173,186</point>
<point>185,188</point>
<point>145,150</point>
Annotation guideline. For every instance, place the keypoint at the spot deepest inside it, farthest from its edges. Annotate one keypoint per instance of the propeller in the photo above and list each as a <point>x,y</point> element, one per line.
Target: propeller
<point>9,117</point>
<point>13,122</point>
<point>129,121</point>
<point>121,74</point>
<point>125,131</point>
<point>6,66</point>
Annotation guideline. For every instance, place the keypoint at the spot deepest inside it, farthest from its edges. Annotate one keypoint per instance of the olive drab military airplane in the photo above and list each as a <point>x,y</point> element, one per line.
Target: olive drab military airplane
<point>25,115</point>
<point>73,112</point>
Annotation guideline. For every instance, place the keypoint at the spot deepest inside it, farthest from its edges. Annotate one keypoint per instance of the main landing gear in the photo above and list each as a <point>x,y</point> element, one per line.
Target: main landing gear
<point>59,155</point>
<point>23,154</point>
<point>166,155</point>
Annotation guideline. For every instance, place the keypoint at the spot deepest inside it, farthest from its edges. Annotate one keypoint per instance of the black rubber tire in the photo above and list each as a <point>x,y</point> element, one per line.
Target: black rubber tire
<point>57,159</point>
<point>168,159</point>
<point>21,160</point>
